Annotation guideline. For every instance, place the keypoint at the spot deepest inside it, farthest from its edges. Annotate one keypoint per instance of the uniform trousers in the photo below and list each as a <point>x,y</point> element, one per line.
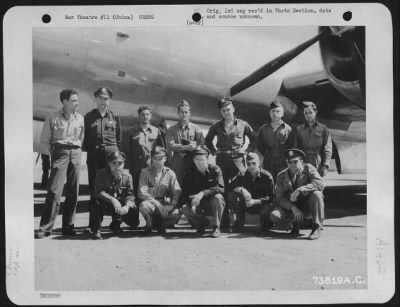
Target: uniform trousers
<point>96,159</point>
<point>158,214</point>
<point>237,203</point>
<point>102,207</point>
<point>312,207</point>
<point>66,163</point>
<point>229,170</point>
<point>211,207</point>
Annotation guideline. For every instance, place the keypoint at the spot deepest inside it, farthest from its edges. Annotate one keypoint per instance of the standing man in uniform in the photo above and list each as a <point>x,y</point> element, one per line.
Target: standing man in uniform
<point>274,138</point>
<point>141,141</point>
<point>299,195</point>
<point>102,137</point>
<point>314,139</point>
<point>252,192</point>
<point>203,190</point>
<point>62,137</point>
<point>113,190</point>
<point>159,192</point>
<point>230,133</point>
<point>181,139</point>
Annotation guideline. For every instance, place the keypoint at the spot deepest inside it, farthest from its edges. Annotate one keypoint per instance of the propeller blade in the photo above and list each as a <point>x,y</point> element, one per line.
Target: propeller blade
<point>273,65</point>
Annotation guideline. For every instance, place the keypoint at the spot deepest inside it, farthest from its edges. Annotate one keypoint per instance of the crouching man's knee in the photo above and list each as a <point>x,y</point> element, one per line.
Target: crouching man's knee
<point>146,207</point>
<point>217,201</point>
<point>317,196</point>
<point>276,216</point>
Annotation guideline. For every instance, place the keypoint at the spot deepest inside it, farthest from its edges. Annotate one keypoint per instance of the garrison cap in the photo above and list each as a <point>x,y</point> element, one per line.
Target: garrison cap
<point>252,156</point>
<point>275,104</point>
<point>294,153</point>
<point>158,152</point>
<point>116,156</point>
<point>200,150</point>
<point>183,103</point>
<point>226,101</point>
<point>307,104</point>
<point>104,91</point>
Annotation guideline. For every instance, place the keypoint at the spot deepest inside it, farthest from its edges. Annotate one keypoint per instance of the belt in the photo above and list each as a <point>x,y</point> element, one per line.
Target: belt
<point>104,146</point>
<point>65,146</point>
<point>225,152</point>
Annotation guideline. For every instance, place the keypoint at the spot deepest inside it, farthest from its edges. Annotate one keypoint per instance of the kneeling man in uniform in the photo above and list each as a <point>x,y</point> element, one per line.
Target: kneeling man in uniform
<point>159,192</point>
<point>203,189</point>
<point>251,192</point>
<point>113,190</point>
<point>299,195</point>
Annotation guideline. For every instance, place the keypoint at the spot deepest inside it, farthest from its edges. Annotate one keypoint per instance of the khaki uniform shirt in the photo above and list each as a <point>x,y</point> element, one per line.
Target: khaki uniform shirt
<point>316,143</point>
<point>58,130</point>
<point>308,178</point>
<point>164,187</point>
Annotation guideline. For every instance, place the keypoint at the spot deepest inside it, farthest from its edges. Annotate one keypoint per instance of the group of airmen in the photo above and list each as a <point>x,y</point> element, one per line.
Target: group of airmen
<point>132,177</point>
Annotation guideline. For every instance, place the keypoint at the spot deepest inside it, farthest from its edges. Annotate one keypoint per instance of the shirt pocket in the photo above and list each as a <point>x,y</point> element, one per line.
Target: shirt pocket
<point>282,136</point>
<point>59,129</point>
<point>77,132</point>
<point>316,139</point>
<point>238,137</point>
<point>110,126</point>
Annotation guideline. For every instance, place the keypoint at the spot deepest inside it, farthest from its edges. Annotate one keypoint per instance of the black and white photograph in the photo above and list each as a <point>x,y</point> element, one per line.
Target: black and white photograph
<point>207,156</point>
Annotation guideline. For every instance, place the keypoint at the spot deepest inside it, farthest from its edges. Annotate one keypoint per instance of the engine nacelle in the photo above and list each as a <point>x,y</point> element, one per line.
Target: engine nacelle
<point>343,53</point>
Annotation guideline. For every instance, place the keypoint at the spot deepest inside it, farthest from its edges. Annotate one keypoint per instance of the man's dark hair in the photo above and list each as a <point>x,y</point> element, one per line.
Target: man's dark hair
<point>143,108</point>
<point>67,93</point>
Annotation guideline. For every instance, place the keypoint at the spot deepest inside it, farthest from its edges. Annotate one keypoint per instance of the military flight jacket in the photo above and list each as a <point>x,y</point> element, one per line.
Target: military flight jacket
<point>211,183</point>
<point>121,188</point>
<point>261,187</point>
<point>101,131</point>
<point>308,178</point>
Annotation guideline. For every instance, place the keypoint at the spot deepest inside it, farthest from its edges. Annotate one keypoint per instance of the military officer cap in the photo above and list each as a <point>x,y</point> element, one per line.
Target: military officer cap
<point>252,156</point>
<point>103,91</point>
<point>116,156</point>
<point>226,101</point>
<point>275,104</point>
<point>158,152</point>
<point>200,150</point>
<point>311,104</point>
<point>294,153</point>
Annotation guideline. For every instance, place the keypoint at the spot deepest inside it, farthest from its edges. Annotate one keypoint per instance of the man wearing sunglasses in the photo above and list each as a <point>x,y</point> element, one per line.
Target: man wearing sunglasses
<point>113,190</point>
<point>251,192</point>
<point>298,195</point>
